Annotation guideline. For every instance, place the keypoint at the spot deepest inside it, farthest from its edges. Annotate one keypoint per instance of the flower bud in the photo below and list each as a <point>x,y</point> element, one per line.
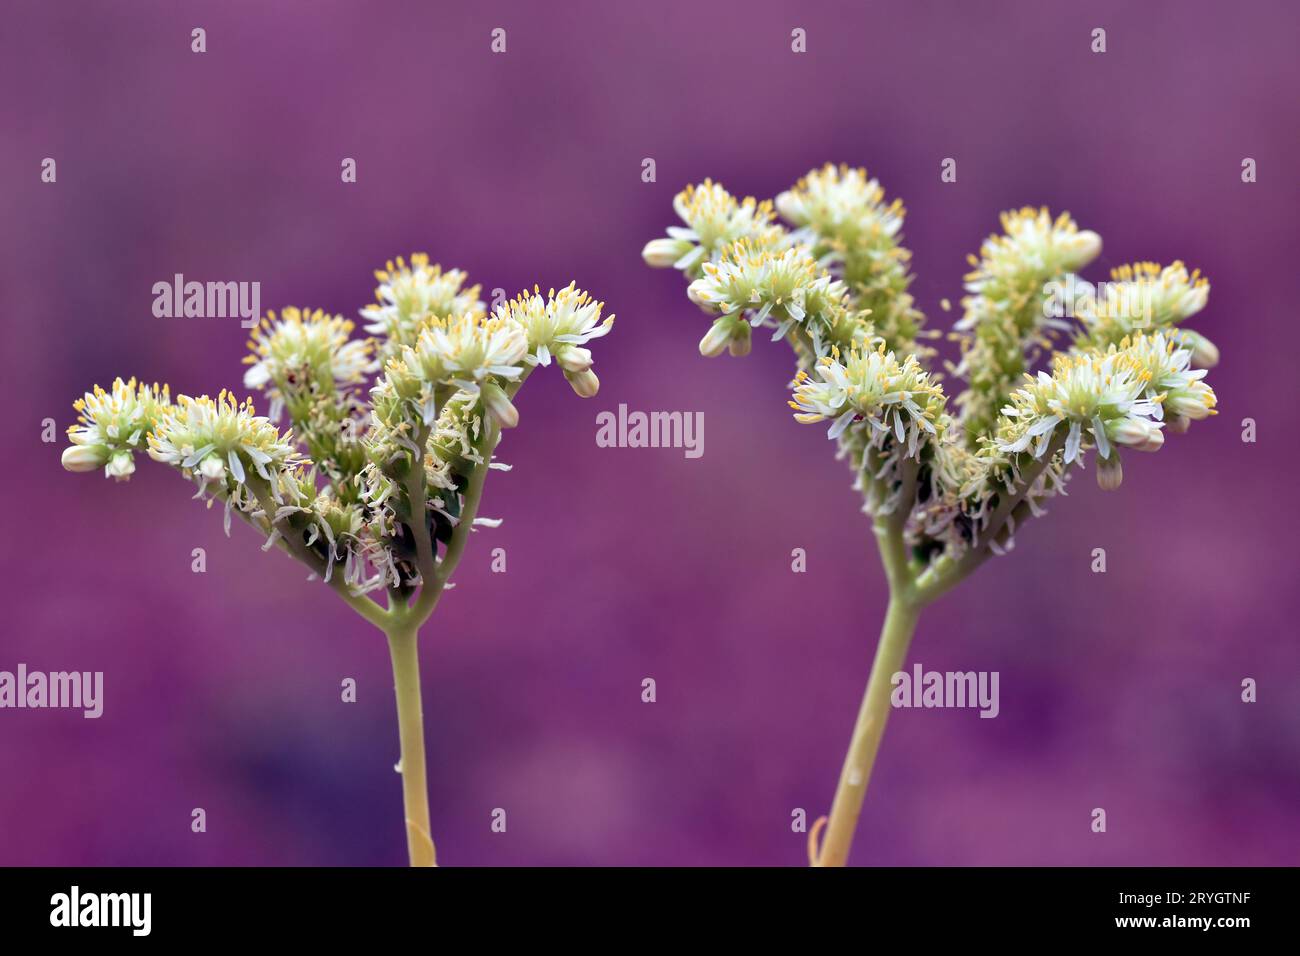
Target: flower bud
<point>1109,472</point>
<point>585,384</point>
<point>662,253</point>
<point>1137,433</point>
<point>499,406</point>
<point>1205,354</point>
<point>120,466</point>
<point>716,340</point>
<point>698,292</point>
<point>1193,301</point>
<point>1178,424</point>
<point>1187,405</point>
<point>741,340</point>
<point>790,207</point>
<point>84,457</point>
<point>1082,247</point>
<point>573,358</point>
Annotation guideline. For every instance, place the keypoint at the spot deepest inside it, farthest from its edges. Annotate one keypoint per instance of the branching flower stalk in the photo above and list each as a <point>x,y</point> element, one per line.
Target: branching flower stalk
<point>375,485</point>
<point>946,486</point>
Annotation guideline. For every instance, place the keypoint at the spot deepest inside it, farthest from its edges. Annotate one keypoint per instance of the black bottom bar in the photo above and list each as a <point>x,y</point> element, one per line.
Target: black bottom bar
<point>333,906</point>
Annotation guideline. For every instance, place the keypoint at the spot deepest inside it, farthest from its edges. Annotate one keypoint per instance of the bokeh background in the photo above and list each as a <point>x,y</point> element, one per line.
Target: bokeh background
<point>1119,690</point>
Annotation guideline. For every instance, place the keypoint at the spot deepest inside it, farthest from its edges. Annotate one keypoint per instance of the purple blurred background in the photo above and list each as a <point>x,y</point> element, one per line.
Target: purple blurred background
<point>1119,690</point>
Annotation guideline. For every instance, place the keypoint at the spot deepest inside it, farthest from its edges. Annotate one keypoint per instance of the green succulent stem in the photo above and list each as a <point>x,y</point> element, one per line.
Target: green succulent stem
<point>402,627</point>
<point>403,644</point>
<point>402,620</point>
<point>891,654</point>
<point>910,591</point>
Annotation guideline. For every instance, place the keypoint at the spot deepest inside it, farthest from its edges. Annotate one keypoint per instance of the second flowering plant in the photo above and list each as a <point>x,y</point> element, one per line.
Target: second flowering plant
<point>1055,369</point>
<point>376,482</point>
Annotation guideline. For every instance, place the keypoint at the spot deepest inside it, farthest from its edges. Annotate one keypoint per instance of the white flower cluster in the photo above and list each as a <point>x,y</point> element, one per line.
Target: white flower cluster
<point>1031,243</point>
<point>883,412</point>
<point>843,206</point>
<point>1092,392</point>
<point>112,426</point>
<point>852,230</point>
<point>836,289</point>
<point>714,220</point>
<point>1005,324</point>
<point>1120,397</point>
<point>839,279</point>
<point>560,324</point>
<point>220,440</point>
<point>483,356</point>
<point>1147,297</point>
<point>1178,389</point>
<point>821,287</point>
<point>338,486</point>
<point>411,295</point>
<point>896,400</point>
<point>472,353</point>
<point>304,353</point>
<point>780,288</point>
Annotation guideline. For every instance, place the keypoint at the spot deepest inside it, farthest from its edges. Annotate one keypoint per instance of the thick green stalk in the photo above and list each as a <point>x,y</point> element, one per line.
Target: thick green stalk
<point>402,645</point>
<point>908,593</point>
<point>401,624</point>
<point>403,636</point>
<point>891,653</point>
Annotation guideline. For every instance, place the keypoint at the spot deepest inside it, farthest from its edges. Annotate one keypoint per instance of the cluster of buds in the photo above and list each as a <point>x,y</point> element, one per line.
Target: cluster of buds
<point>714,220</point>
<point>1145,297</point>
<point>843,217</point>
<point>833,283</point>
<point>112,426</point>
<point>1005,326</point>
<point>410,295</point>
<point>386,432</point>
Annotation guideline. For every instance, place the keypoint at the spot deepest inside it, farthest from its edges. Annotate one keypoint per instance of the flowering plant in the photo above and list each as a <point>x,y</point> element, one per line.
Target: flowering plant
<point>945,485</point>
<point>376,497</point>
